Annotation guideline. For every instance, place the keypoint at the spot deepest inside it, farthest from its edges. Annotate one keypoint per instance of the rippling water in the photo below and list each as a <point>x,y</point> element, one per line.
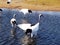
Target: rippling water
<point>48,34</point>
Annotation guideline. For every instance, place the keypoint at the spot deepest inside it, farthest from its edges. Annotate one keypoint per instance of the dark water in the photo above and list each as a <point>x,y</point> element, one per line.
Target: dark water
<point>48,33</point>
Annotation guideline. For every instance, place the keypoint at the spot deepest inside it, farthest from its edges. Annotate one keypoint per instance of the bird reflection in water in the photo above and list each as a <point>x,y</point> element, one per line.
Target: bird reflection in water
<point>27,40</point>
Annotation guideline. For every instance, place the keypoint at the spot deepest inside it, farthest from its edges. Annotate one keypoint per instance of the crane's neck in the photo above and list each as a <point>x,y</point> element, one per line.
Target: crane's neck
<point>14,16</point>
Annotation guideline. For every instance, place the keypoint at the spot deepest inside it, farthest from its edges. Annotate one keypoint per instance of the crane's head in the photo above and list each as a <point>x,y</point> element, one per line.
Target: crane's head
<point>13,20</point>
<point>1,10</point>
<point>40,15</point>
<point>28,32</point>
<point>30,11</point>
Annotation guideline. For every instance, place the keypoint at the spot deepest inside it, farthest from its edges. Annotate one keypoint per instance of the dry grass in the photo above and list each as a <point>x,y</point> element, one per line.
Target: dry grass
<point>53,5</point>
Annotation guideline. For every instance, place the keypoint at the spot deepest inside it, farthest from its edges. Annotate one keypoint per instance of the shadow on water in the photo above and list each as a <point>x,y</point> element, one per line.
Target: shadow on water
<point>49,30</point>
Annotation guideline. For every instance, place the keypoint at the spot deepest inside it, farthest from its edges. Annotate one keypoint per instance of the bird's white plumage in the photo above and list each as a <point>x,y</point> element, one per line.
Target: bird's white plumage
<point>28,26</point>
<point>9,0</point>
<point>24,26</point>
<point>35,28</point>
<point>12,20</point>
<point>25,11</point>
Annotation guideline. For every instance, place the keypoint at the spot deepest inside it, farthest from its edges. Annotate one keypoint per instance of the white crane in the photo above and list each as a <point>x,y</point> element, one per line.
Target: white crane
<point>8,1</point>
<point>25,11</point>
<point>13,20</point>
<point>28,26</point>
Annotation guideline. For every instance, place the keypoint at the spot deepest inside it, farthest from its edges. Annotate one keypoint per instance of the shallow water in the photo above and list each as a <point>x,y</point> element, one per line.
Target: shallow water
<point>48,33</point>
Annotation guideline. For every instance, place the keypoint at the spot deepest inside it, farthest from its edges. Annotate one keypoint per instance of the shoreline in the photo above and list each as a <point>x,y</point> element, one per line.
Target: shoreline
<point>34,9</point>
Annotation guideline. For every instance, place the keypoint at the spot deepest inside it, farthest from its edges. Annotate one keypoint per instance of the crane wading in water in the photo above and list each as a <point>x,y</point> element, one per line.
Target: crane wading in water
<point>13,23</point>
<point>29,28</point>
<point>26,11</point>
